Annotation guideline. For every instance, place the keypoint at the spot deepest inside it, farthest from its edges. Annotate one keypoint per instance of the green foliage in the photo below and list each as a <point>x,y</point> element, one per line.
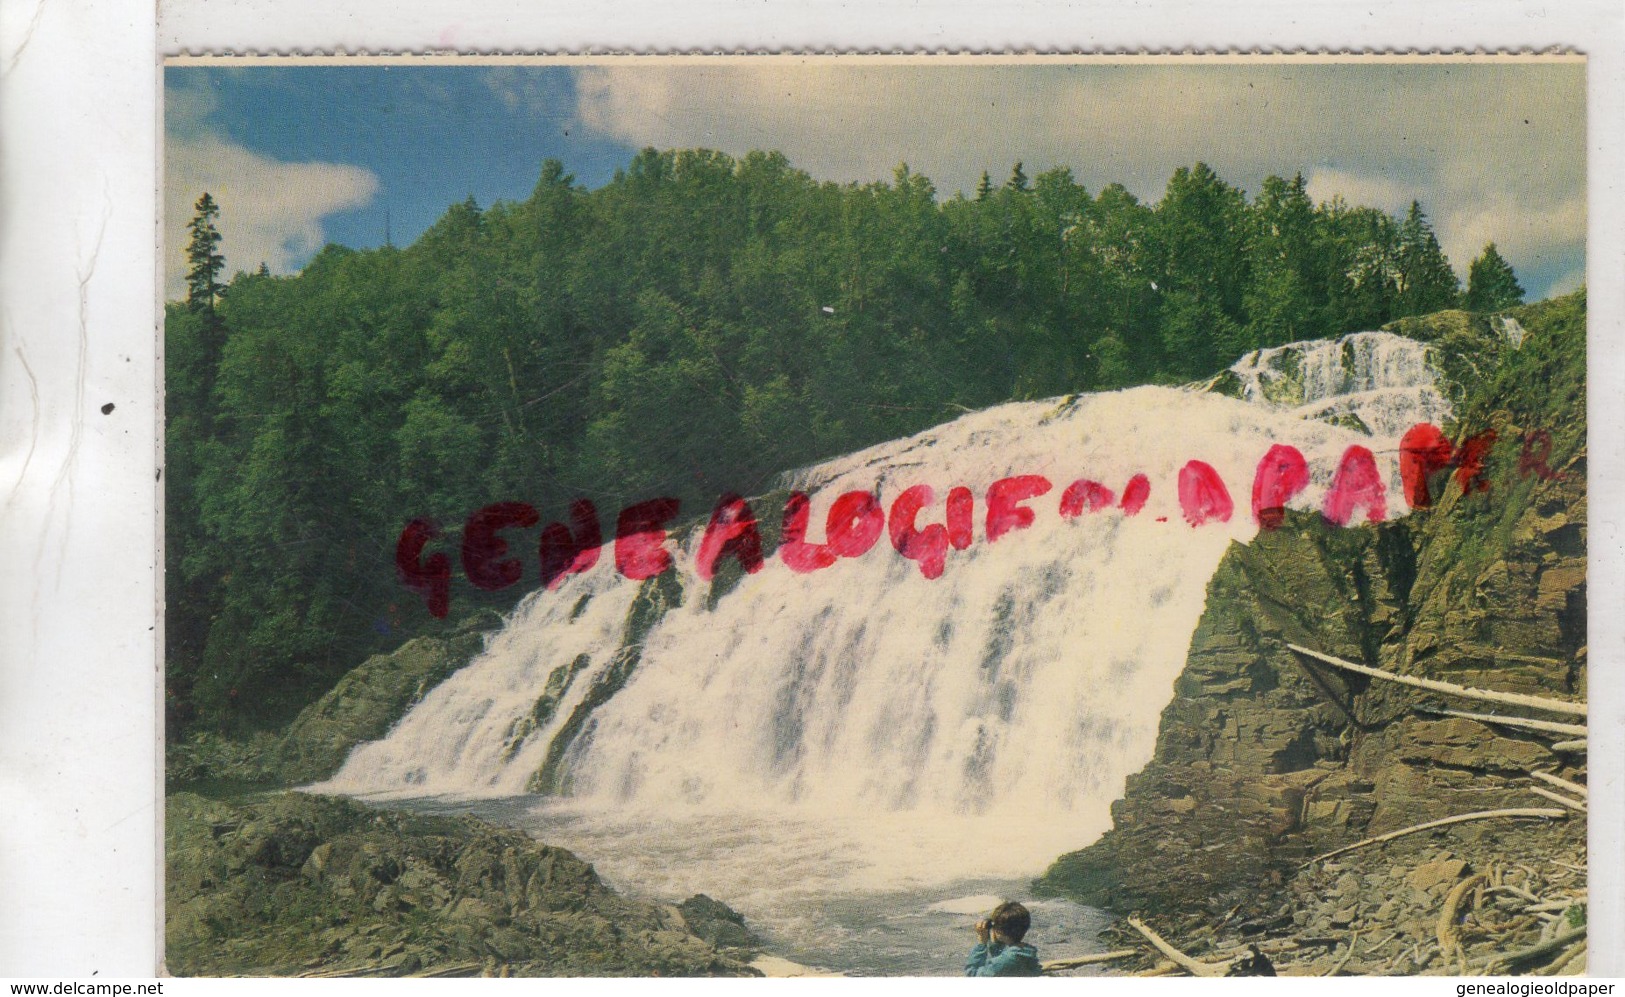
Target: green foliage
<point>696,326</point>
<point>1491,284</point>
<point>1426,282</point>
<point>203,260</point>
<point>1539,388</point>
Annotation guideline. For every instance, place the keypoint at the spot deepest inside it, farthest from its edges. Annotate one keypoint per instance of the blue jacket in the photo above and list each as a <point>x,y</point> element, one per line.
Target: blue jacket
<point>993,959</point>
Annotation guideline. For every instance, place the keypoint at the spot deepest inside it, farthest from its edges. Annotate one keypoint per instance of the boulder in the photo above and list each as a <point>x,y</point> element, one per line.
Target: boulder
<point>1427,876</point>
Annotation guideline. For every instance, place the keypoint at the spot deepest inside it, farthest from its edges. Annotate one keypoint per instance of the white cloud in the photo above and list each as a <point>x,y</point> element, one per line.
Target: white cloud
<point>1519,233</point>
<point>1369,191</point>
<point>1492,150</point>
<point>270,211</point>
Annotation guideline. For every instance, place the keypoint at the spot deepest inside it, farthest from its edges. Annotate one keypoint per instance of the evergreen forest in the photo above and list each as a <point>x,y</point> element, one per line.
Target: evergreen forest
<point>691,328</point>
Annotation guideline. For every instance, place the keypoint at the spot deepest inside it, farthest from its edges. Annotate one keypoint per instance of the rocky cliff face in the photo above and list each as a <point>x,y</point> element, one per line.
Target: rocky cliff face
<point>1264,760</point>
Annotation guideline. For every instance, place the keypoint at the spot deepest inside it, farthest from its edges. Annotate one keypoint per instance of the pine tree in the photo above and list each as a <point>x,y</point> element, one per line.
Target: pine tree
<point>1201,238</point>
<point>984,187</point>
<point>1426,281</point>
<point>1018,178</point>
<point>203,258</point>
<point>1491,284</point>
<point>1283,297</point>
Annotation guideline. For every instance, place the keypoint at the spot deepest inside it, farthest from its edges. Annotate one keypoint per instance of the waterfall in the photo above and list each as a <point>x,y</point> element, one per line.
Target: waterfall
<point>1019,689</point>
<point>1510,330</point>
<point>1375,381</point>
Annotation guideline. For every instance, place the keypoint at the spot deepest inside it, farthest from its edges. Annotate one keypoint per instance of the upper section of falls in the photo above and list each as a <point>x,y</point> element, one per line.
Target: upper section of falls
<point>1373,381</point>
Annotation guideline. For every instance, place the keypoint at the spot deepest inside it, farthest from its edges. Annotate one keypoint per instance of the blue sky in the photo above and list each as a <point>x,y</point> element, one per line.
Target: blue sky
<point>298,156</point>
<point>430,137</point>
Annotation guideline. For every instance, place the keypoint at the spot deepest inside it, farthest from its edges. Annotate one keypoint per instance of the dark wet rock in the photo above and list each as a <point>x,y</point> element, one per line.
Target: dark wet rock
<point>716,922</point>
<point>207,757</point>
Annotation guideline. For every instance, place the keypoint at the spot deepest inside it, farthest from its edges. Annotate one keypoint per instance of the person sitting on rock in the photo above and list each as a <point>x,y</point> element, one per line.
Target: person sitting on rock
<point>999,951</point>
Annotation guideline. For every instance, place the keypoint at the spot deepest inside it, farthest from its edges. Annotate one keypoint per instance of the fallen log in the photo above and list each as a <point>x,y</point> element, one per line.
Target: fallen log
<point>1557,922</point>
<point>1558,798</point>
<point>1560,783</point>
<point>1056,965</point>
<point>1185,962</point>
<point>373,969</point>
<point>1278,946</point>
<point>1493,718</point>
<point>338,972</point>
<point>1512,812</point>
<point>1577,746</point>
<point>1451,688</point>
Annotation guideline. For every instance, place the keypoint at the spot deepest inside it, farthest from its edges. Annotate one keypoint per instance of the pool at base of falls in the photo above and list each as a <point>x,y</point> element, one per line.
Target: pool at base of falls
<point>880,895</point>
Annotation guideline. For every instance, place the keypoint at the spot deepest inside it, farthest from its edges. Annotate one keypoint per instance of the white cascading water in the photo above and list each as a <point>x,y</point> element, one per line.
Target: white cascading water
<point>1510,329</point>
<point>865,727</point>
<point>1386,381</point>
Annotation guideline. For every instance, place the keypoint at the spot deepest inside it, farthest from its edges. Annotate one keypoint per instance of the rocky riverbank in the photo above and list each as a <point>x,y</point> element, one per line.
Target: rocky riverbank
<point>262,881</point>
<point>1266,758</point>
<point>287,884</point>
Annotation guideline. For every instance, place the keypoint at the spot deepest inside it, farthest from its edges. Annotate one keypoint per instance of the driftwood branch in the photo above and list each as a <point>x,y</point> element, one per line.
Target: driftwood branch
<point>1578,746</point>
<point>1347,955</point>
<point>463,969</point>
<point>1564,965</point>
<point>1552,944</point>
<point>1548,726</point>
<point>1329,694</point>
<point>1555,905</point>
<point>1560,783</point>
<point>1450,688</point>
<point>1056,965</point>
<point>1514,812</point>
<point>1449,937</point>
<point>1192,966</point>
<point>1515,891</point>
<point>1559,798</point>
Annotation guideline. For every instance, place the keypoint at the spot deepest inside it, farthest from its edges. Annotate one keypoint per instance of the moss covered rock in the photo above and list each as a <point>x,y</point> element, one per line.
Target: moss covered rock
<point>366,703</point>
